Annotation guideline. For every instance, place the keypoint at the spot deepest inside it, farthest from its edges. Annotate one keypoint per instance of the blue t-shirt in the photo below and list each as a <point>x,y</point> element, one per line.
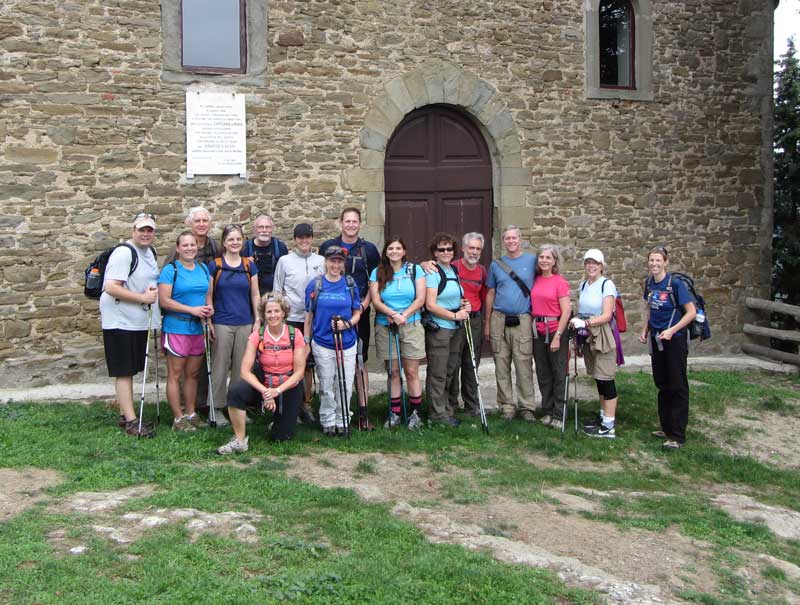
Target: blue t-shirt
<point>354,265</point>
<point>232,294</point>
<point>188,288</point>
<point>590,300</point>
<point>398,293</point>
<point>450,298</point>
<point>657,297</point>
<point>334,298</point>
<point>509,299</point>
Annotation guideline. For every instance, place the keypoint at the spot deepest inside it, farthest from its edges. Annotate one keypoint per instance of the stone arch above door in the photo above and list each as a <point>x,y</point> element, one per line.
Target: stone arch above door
<point>440,82</point>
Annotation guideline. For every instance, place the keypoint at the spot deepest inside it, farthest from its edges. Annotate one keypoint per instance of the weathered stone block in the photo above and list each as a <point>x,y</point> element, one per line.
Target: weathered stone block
<point>28,155</point>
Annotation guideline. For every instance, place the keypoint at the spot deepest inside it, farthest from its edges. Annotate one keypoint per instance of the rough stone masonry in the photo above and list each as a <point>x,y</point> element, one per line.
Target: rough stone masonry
<point>92,130</point>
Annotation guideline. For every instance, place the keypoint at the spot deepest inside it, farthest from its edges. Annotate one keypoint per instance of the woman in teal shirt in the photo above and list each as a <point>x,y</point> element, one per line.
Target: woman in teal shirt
<point>397,291</point>
<point>448,308</point>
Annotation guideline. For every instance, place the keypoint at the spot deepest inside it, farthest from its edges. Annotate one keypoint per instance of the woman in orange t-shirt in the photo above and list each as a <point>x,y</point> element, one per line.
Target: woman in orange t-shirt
<point>275,381</point>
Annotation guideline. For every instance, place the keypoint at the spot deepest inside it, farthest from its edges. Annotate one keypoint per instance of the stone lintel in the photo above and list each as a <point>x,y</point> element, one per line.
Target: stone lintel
<point>512,196</point>
<point>520,177</point>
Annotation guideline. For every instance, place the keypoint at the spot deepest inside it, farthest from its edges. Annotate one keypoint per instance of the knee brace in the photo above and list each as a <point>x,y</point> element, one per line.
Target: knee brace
<point>607,389</point>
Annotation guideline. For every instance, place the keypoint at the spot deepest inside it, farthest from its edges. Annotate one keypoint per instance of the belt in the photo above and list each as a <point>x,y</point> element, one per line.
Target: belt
<point>474,314</point>
<point>546,321</point>
<point>542,319</point>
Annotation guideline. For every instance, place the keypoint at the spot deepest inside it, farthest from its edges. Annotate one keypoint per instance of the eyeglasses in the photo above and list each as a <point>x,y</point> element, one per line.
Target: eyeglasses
<point>443,249</point>
<point>144,215</point>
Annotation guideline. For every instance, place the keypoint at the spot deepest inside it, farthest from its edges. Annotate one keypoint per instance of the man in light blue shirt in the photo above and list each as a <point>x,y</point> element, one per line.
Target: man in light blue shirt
<point>508,324</point>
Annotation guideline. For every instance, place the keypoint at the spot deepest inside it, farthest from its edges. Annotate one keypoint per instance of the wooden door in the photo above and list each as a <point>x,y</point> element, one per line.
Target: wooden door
<point>438,177</point>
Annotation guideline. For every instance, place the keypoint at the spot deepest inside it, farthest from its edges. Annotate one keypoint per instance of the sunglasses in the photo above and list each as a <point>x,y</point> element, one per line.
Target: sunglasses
<point>144,215</point>
<point>443,249</point>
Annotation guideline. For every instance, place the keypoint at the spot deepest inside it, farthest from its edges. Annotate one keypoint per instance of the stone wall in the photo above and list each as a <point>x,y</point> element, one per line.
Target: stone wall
<point>90,133</point>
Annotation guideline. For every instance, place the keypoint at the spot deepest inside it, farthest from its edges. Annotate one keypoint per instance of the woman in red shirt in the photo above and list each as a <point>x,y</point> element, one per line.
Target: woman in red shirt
<point>551,310</point>
<point>280,351</point>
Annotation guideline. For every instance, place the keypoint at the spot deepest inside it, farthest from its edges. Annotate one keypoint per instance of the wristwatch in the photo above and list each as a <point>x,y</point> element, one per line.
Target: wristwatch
<point>307,339</point>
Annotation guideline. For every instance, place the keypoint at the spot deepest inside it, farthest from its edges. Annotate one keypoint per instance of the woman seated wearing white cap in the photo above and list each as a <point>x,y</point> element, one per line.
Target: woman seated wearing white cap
<point>597,295</point>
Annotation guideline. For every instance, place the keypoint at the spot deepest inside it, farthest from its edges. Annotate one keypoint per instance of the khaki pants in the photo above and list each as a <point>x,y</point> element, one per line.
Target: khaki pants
<point>227,351</point>
<point>513,345</point>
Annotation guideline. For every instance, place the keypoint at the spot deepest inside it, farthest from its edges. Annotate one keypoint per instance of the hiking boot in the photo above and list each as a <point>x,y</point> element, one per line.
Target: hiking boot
<point>414,421</point>
<point>527,416</point>
<point>132,428</point>
<point>594,422</point>
<point>509,414</point>
<point>556,423</point>
<point>183,425</point>
<point>546,420</point>
<point>196,421</point>
<point>234,446</point>
<point>671,444</point>
<point>601,431</point>
<point>658,434</point>
<point>306,415</point>
<point>452,422</point>
<point>394,420</point>
<point>329,431</point>
<point>363,421</point>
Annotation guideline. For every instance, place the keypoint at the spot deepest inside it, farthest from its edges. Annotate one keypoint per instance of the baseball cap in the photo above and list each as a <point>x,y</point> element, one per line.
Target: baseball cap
<point>144,219</point>
<point>303,229</point>
<point>335,252</point>
<point>595,255</point>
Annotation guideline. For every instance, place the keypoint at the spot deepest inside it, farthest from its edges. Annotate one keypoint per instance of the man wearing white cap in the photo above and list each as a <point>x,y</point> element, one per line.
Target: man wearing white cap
<point>128,310</point>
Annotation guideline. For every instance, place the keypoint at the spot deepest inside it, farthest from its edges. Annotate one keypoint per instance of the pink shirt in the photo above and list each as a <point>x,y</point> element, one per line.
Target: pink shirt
<point>544,300</point>
<point>277,358</point>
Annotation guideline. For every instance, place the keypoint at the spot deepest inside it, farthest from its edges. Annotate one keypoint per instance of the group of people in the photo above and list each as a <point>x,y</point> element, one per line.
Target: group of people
<point>261,318</point>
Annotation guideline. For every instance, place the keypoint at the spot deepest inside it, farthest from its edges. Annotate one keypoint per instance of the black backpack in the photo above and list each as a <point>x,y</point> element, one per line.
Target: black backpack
<point>700,327</point>
<point>94,275</point>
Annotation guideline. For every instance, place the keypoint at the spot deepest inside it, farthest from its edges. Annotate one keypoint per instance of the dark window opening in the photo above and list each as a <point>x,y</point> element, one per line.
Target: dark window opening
<point>213,36</point>
<point>616,44</point>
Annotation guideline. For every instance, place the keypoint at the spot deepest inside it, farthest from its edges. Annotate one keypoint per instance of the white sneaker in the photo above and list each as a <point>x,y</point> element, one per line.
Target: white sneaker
<point>414,421</point>
<point>394,420</point>
<point>234,446</point>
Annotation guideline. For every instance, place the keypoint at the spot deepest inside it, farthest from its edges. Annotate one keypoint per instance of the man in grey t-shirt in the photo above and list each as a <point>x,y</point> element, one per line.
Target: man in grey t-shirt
<point>128,311</point>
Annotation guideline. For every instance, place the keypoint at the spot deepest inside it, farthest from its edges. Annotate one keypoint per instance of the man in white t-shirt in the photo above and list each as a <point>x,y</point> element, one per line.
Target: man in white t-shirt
<point>128,310</point>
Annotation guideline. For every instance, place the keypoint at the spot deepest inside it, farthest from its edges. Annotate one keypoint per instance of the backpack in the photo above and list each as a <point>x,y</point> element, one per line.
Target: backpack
<point>221,268</point>
<point>443,279</point>
<point>175,274</point>
<point>257,369</point>
<point>95,274</point>
<point>351,287</point>
<point>700,327</point>
<point>618,315</point>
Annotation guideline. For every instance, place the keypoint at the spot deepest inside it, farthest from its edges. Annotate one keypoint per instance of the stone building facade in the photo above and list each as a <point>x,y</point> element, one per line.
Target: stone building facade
<point>92,130</point>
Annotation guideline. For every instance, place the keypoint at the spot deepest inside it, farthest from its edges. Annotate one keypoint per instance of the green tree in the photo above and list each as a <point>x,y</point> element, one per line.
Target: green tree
<point>786,216</point>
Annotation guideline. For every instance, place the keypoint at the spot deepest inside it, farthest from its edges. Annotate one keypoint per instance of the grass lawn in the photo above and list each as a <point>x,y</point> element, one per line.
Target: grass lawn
<point>318,545</point>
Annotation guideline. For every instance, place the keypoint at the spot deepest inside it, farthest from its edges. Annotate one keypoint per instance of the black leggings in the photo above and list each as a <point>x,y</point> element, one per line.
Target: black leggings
<point>672,381</point>
<point>284,418</point>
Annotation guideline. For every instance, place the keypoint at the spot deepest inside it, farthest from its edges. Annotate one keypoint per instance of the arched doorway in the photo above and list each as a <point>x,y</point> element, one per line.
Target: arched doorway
<point>438,177</point>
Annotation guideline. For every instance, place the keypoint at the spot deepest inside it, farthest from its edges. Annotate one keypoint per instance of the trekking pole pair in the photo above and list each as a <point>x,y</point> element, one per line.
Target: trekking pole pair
<point>472,358</point>
<point>361,388</point>
<point>212,412</point>
<point>341,380</point>
<point>572,347</point>
<point>151,331</point>
<point>394,341</point>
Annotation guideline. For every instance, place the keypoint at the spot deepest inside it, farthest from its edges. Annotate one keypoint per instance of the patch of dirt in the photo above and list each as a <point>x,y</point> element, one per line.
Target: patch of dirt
<point>123,529</point>
<point>771,439</point>
<point>629,566</point>
<point>22,488</point>
<point>782,522</point>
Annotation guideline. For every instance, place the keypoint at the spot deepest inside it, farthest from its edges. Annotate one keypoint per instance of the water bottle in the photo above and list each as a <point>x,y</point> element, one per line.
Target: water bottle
<point>700,318</point>
<point>93,279</point>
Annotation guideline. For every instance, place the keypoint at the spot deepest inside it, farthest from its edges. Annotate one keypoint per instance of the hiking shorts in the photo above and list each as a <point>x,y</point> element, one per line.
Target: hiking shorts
<point>125,351</point>
<point>412,341</point>
<point>183,345</point>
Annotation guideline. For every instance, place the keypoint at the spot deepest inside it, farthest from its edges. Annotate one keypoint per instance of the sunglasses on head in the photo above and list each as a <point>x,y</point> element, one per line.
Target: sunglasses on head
<point>144,215</point>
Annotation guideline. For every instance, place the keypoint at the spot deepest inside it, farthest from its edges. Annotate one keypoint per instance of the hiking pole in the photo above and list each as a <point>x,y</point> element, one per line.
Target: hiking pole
<point>212,413</point>
<point>471,346</point>
<point>570,343</point>
<point>575,361</point>
<point>404,409</point>
<point>144,372</point>
<point>158,367</point>
<point>389,382</point>
<point>361,388</point>
<point>338,348</point>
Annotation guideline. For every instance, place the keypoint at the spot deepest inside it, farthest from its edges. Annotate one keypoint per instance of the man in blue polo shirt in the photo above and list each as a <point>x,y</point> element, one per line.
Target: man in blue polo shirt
<point>508,324</point>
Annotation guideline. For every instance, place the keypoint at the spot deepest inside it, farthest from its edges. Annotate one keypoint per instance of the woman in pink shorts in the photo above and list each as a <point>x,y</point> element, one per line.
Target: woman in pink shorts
<point>185,299</point>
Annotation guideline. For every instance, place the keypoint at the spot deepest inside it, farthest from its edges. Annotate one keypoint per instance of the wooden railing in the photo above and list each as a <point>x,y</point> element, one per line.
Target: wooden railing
<point>788,335</point>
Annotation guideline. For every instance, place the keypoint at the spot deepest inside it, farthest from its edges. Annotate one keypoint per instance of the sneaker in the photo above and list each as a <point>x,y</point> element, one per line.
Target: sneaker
<point>508,414</point>
<point>556,423</point>
<point>527,416</point>
<point>601,431</point>
<point>546,420</point>
<point>132,428</point>
<point>671,444</point>
<point>594,422</point>
<point>414,421</point>
<point>183,424</point>
<point>342,432</point>
<point>658,434</point>
<point>394,420</point>
<point>363,420</point>
<point>196,421</point>
<point>234,446</point>
<point>452,422</point>
<point>306,415</point>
